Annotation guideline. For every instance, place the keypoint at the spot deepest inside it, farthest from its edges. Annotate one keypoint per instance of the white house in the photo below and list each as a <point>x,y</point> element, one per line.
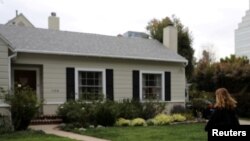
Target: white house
<point>63,65</point>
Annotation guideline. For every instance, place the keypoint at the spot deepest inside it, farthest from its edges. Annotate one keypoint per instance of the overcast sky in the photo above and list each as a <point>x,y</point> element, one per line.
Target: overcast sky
<point>212,22</point>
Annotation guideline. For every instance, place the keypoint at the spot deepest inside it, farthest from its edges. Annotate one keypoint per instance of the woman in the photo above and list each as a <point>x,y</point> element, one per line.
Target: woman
<point>224,114</point>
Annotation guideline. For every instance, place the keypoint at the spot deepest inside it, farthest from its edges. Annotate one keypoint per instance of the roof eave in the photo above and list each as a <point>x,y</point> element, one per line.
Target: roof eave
<point>103,56</point>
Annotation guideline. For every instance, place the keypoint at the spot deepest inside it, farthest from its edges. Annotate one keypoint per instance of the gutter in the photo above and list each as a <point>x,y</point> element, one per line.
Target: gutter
<point>9,67</point>
<point>104,56</point>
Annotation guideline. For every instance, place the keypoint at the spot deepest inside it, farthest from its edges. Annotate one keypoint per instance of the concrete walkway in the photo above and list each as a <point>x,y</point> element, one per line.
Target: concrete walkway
<point>244,122</point>
<point>52,129</point>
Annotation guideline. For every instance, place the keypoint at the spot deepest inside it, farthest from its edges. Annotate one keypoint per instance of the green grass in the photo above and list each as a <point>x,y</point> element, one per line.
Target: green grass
<point>184,132</point>
<point>31,136</point>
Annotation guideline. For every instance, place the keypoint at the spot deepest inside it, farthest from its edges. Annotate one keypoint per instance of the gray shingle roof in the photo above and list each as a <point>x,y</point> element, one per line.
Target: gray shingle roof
<point>37,40</point>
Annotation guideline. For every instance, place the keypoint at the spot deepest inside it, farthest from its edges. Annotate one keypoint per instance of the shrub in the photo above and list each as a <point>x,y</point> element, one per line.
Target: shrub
<point>243,104</point>
<point>5,124</point>
<point>178,109</point>
<point>163,119</point>
<point>78,113</point>
<point>104,114</point>
<point>24,106</point>
<point>138,122</point>
<point>151,122</point>
<point>178,117</point>
<point>188,115</point>
<point>122,122</point>
<point>199,105</point>
<point>129,109</point>
<point>150,109</point>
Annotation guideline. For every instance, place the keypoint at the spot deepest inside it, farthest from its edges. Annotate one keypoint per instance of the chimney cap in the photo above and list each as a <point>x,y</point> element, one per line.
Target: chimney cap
<point>53,13</point>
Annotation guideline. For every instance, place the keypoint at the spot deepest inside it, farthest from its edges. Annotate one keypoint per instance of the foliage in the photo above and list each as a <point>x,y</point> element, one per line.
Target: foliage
<point>155,28</point>
<point>74,112</point>
<point>104,114</point>
<point>82,114</point>
<point>138,122</point>
<point>24,106</point>
<point>151,122</point>
<point>232,73</point>
<point>129,109</point>
<point>5,124</point>
<point>163,119</point>
<point>178,117</point>
<point>151,108</point>
<point>178,109</point>
<point>243,106</point>
<point>123,122</point>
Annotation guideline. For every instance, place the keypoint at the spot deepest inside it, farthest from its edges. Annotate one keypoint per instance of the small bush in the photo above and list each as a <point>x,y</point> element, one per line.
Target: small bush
<point>73,112</point>
<point>24,106</point>
<point>178,117</point>
<point>188,115</point>
<point>151,108</point>
<point>163,119</point>
<point>178,109</point>
<point>104,114</point>
<point>151,122</point>
<point>138,122</point>
<point>122,122</point>
<point>5,124</point>
<point>129,109</point>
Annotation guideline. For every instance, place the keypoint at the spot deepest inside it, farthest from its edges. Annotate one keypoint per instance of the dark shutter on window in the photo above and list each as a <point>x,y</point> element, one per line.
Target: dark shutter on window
<point>136,85</point>
<point>109,84</point>
<point>70,83</point>
<point>167,86</point>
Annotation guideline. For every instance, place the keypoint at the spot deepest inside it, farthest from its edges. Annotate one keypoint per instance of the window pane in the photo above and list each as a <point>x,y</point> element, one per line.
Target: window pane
<point>90,85</point>
<point>151,84</point>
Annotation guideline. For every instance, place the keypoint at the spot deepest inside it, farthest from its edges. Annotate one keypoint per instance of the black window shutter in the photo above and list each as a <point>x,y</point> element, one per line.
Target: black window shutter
<point>109,84</point>
<point>70,83</point>
<point>167,86</point>
<point>136,85</point>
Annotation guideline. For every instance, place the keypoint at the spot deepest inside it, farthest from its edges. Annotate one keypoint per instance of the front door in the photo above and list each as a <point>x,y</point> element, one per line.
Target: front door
<point>24,77</point>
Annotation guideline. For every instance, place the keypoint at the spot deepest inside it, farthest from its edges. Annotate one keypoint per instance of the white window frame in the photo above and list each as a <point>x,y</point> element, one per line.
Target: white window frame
<point>162,83</point>
<point>103,71</point>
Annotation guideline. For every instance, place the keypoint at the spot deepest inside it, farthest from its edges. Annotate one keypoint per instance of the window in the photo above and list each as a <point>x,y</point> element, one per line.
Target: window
<point>90,85</point>
<point>152,86</point>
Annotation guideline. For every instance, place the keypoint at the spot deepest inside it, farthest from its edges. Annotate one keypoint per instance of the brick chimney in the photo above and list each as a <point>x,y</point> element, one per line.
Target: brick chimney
<point>53,22</point>
<point>170,37</point>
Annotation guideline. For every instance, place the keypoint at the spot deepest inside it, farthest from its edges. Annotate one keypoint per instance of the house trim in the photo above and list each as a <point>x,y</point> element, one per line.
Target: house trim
<point>103,71</point>
<point>101,56</point>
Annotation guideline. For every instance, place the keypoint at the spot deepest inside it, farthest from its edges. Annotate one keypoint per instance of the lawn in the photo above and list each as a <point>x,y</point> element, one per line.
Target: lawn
<point>31,136</point>
<point>184,132</point>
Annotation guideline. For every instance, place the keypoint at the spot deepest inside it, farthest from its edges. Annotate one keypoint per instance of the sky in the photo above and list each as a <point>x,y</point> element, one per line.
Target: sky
<point>211,22</point>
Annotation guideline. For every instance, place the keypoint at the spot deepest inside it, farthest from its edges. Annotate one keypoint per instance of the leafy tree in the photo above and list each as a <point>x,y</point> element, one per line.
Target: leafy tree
<point>155,28</point>
<point>232,73</point>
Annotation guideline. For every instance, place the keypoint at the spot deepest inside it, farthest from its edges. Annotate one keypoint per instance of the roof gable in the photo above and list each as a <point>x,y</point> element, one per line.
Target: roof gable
<point>20,20</point>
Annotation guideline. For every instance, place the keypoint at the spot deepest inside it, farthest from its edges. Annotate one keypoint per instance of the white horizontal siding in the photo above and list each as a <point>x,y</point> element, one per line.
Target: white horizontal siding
<point>54,73</point>
<point>4,80</point>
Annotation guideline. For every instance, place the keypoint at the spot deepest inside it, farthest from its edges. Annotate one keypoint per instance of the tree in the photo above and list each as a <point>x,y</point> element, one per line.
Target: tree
<point>155,28</point>
<point>232,73</point>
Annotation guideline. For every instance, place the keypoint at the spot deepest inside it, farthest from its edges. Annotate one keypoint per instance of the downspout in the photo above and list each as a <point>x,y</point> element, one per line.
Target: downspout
<point>9,68</point>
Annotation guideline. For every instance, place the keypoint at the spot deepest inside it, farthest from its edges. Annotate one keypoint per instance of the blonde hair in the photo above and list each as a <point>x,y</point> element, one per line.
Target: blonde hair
<point>224,99</point>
